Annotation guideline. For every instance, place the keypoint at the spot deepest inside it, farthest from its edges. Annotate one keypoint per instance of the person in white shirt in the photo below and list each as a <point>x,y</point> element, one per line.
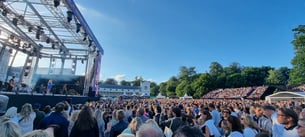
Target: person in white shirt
<point>271,114</point>
<point>215,114</point>
<point>12,114</point>
<point>26,118</point>
<point>289,119</point>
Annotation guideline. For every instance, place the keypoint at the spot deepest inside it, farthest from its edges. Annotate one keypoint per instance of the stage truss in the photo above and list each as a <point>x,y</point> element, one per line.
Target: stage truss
<point>52,29</point>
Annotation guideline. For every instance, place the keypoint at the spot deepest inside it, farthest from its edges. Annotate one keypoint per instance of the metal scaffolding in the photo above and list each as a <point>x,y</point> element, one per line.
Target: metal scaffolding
<point>53,29</point>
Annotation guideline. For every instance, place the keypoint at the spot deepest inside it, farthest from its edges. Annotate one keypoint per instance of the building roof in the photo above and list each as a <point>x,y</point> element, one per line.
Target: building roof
<point>287,94</point>
<point>118,86</point>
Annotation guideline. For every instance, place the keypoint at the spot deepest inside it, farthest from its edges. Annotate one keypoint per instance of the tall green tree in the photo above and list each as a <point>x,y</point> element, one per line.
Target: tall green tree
<point>137,81</point>
<point>111,81</point>
<point>154,89</point>
<point>202,85</point>
<point>171,86</point>
<point>162,88</point>
<point>278,76</point>
<point>125,83</point>
<point>297,73</point>
<point>186,77</point>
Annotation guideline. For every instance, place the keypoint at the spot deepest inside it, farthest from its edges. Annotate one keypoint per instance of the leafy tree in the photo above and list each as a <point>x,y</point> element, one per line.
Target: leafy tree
<point>111,81</point>
<point>278,77</point>
<point>125,83</point>
<point>171,86</point>
<point>162,88</point>
<point>184,87</point>
<point>202,85</point>
<point>137,81</point>
<point>233,68</point>
<point>297,73</point>
<point>186,73</point>
<point>186,77</point>
<point>234,80</point>
<point>154,89</point>
<point>215,69</point>
<point>255,76</point>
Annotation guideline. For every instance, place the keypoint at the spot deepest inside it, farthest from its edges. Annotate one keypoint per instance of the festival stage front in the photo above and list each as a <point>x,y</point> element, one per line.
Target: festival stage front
<point>19,99</point>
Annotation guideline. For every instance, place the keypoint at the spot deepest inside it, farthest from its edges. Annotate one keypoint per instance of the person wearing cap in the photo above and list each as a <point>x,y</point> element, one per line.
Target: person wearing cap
<point>289,119</point>
<point>277,128</point>
<point>175,122</point>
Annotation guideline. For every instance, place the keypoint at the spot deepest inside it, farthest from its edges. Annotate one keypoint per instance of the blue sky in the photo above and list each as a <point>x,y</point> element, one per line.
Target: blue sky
<point>154,38</point>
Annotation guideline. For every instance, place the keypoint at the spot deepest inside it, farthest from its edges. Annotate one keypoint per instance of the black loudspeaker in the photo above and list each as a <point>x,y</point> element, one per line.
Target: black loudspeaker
<point>91,93</point>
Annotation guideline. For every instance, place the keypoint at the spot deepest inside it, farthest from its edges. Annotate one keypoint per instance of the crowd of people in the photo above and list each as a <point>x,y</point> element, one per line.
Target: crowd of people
<point>236,93</point>
<point>157,118</point>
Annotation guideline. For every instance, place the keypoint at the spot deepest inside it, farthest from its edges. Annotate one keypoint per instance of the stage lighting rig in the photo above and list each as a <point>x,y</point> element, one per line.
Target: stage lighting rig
<point>69,16</point>
<point>56,3</point>
<point>90,43</point>
<point>4,12</point>
<point>38,32</point>
<point>15,21</point>
<point>78,26</point>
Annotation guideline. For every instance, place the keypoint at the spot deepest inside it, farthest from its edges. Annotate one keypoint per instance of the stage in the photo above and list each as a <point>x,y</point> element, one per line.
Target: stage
<point>19,99</point>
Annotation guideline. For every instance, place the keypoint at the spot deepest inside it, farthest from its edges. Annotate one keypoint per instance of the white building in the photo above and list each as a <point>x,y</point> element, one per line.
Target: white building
<point>117,90</point>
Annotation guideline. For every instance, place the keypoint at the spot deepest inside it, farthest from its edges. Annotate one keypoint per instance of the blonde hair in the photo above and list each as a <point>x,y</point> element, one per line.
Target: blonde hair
<point>9,128</point>
<point>126,135</point>
<point>25,112</point>
<point>37,133</point>
<point>135,124</point>
<point>152,122</point>
<point>11,112</point>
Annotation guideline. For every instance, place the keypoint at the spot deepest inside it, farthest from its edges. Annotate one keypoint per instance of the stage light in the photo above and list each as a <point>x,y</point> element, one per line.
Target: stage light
<point>97,53</point>
<point>15,21</point>
<point>53,46</point>
<point>82,61</point>
<point>90,43</point>
<point>30,29</point>
<point>10,51</point>
<point>12,36</point>
<point>56,3</point>
<point>69,16</point>
<point>48,40</point>
<point>94,49</point>
<point>38,32</point>
<point>78,25</point>
<point>19,42</point>
<point>4,12</point>
<point>85,36</point>
<point>40,45</point>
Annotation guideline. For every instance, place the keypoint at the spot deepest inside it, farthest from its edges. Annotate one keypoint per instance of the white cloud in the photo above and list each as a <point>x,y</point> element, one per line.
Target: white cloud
<point>94,14</point>
<point>88,11</point>
<point>119,77</point>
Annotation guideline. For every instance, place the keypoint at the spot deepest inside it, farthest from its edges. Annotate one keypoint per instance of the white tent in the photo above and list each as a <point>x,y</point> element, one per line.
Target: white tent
<point>159,96</point>
<point>286,95</point>
<point>186,97</point>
